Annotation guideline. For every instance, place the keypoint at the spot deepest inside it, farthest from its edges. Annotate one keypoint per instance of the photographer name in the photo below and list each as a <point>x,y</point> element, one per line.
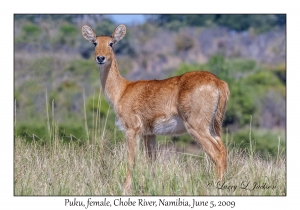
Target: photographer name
<point>244,185</point>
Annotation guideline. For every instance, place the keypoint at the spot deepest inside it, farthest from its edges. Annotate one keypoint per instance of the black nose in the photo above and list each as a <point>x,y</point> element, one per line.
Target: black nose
<point>100,59</point>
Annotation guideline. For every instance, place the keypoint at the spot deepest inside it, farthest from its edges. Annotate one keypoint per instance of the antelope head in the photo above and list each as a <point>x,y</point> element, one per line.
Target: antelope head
<point>104,44</point>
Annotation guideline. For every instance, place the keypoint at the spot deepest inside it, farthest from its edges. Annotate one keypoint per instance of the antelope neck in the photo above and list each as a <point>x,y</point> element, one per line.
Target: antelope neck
<point>113,84</point>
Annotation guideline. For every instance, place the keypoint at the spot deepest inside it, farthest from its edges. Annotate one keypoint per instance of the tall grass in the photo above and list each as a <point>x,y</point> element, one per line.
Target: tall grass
<point>98,167</point>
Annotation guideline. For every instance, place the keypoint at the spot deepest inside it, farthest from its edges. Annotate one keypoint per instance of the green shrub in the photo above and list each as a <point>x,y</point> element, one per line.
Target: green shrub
<point>183,68</point>
<point>93,104</point>
<point>280,71</point>
<point>72,131</point>
<point>30,32</point>
<point>82,69</point>
<point>265,80</point>
<point>68,30</point>
<point>67,34</point>
<point>241,105</point>
<point>262,78</point>
<point>264,142</point>
<point>31,130</point>
<point>35,130</point>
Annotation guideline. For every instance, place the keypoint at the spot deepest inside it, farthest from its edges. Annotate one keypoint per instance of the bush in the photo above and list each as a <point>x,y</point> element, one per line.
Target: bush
<point>264,142</point>
<point>28,130</point>
<point>68,30</point>
<point>72,131</point>
<point>262,78</point>
<point>31,29</point>
<point>93,104</point>
<point>83,70</point>
<point>37,131</point>
<point>28,35</point>
<point>280,72</point>
<point>67,34</point>
<point>241,105</point>
<point>237,22</point>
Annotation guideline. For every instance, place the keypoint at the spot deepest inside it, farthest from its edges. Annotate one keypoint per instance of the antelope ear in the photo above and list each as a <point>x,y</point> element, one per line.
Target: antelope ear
<point>119,33</point>
<point>88,33</point>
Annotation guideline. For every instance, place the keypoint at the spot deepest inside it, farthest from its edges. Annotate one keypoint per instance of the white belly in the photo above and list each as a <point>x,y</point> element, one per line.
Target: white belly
<point>170,126</point>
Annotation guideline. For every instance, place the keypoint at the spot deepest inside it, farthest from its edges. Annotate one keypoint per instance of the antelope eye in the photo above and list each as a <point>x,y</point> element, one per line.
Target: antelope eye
<point>95,44</point>
<point>111,44</point>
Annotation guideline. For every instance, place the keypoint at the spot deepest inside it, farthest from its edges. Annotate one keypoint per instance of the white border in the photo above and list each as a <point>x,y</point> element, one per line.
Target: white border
<point>8,201</point>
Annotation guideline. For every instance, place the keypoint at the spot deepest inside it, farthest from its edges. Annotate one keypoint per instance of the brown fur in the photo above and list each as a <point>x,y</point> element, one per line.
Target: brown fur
<point>194,102</point>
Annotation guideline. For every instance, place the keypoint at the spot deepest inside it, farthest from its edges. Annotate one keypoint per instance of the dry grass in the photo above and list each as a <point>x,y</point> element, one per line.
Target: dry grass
<point>97,168</point>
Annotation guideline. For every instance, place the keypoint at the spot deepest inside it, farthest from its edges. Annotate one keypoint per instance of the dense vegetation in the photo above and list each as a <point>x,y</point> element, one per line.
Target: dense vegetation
<point>238,22</point>
<point>57,86</point>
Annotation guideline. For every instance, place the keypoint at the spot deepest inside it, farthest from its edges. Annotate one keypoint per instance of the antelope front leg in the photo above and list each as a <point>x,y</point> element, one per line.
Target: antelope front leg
<point>132,138</point>
<point>150,141</point>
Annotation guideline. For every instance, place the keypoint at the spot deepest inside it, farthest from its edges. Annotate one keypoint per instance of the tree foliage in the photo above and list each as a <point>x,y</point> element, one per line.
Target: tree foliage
<point>237,22</point>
